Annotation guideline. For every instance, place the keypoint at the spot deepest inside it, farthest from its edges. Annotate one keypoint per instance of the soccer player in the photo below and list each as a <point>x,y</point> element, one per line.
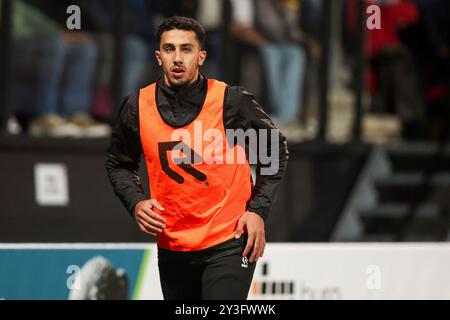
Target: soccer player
<point>205,210</point>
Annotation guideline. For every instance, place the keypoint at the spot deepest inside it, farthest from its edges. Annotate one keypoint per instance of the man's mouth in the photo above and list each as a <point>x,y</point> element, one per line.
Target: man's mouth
<point>178,72</point>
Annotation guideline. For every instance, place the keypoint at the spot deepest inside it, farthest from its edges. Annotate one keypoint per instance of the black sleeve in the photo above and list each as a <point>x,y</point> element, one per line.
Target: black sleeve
<point>124,155</point>
<point>241,111</point>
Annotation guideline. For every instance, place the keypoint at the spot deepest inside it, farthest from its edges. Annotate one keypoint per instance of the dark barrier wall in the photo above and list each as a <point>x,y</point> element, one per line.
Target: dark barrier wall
<point>58,191</point>
<point>319,179</point>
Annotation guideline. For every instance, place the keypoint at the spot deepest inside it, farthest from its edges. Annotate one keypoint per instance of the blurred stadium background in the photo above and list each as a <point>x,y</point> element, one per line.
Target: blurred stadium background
<point>364,210</point>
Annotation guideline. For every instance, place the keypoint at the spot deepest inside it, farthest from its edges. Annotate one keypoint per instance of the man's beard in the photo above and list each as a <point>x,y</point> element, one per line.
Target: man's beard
<point>179,85</point>
<point>182,84</point>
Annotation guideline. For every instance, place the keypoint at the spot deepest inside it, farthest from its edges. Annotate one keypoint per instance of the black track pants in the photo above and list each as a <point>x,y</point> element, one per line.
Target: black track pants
<point>215,273</point>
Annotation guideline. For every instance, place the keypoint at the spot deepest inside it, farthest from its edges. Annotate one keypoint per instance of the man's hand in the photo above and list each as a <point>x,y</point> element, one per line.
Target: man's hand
<point>254,225</point>
<point>148,220</point>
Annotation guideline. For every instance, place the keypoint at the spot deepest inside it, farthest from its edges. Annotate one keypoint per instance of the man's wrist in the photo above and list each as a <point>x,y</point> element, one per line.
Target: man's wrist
<point>134,203</point>
<point>262,212</point>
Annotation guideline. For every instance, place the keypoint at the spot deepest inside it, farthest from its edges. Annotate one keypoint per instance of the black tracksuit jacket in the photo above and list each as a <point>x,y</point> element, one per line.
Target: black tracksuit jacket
<point>178,108</point>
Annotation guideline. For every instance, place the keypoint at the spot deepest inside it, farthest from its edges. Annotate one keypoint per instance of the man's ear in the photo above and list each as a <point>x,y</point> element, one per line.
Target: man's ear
<point>158,57</point>
<point>202,57</point>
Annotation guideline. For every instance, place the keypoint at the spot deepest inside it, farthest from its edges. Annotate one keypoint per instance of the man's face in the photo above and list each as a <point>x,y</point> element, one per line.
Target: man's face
<point>180,57</point>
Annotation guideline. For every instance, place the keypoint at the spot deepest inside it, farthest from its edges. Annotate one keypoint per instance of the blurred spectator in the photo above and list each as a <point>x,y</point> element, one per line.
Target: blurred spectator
<point>430,42</point>
<point>53,71</point>
<point>98,19</point>
<point>138,45</point>
<point>273,26</point>
<point>311,17</point>
<point>394,80</point>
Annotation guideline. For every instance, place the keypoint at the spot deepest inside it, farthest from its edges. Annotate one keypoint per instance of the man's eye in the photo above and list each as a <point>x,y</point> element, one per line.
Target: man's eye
<point>169,49</point>
<point>187,49</point>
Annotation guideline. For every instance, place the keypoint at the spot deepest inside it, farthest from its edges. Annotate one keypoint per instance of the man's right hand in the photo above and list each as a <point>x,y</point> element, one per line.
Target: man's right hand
<point>148,220</point>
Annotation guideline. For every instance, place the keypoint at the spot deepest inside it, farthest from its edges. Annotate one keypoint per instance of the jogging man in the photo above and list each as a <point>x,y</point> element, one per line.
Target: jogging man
<point>206,211</point>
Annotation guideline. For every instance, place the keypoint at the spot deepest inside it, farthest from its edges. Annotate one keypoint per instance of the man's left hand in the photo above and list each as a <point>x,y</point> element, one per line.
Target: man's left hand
<point>254,225</point>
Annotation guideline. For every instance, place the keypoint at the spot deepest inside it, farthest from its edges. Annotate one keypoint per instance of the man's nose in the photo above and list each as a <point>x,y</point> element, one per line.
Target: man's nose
<point>178,57</point>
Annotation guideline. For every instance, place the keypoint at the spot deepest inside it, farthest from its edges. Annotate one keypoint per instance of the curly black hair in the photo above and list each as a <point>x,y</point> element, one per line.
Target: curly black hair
<point>182,23</point>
